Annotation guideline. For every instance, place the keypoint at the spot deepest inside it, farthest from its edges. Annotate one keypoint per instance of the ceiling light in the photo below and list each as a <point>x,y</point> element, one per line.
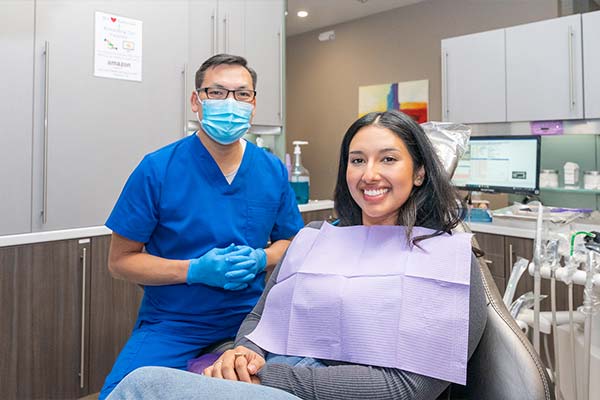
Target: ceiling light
<point>302,14</point>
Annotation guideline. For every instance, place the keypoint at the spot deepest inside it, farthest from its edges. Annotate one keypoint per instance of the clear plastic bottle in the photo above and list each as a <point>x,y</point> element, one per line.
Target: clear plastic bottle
<point>300,178</point>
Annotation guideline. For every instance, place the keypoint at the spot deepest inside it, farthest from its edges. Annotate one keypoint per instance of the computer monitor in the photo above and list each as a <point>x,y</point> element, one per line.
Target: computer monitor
<point>500,164</point>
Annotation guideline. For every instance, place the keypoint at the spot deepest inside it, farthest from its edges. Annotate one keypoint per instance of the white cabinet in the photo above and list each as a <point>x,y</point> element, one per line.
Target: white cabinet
<point>591,63</point>
<point>16,99</point>
<point>249,28</point>
<point>203,31</point>
<point>473,76</point>
<point>98,129</point>
<point>544,70</point>
<point>265,53</point>
<point>216,26</point>
<point>231,26</point>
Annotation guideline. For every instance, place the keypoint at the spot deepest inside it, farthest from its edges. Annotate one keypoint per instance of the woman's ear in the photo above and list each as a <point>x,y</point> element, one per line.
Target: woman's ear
<point>419,176</point>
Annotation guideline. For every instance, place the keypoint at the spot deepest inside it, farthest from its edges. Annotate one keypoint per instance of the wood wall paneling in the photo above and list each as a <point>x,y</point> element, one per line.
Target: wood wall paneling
<point>113,312</point>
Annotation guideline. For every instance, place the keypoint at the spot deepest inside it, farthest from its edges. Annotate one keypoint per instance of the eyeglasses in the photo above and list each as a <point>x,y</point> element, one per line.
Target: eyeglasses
<point>216,93</point>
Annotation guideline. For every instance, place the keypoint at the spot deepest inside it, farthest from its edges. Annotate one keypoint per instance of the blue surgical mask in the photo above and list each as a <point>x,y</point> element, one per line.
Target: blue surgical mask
<point>225,121</point>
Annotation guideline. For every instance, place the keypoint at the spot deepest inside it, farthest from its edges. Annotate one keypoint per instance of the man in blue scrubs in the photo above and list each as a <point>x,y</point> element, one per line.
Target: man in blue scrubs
<point>204,209</point>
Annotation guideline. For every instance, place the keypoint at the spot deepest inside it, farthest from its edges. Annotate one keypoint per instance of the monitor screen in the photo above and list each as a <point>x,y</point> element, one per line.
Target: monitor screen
<point>503,164</point>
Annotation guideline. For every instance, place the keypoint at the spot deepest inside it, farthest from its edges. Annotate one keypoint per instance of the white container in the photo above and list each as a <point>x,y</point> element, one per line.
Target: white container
<point>549,178</point>
<point>571,170</point>
<point>591,180</point>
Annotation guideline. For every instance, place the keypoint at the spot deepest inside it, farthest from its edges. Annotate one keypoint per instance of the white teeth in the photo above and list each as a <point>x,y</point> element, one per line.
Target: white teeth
<point>375,192</point>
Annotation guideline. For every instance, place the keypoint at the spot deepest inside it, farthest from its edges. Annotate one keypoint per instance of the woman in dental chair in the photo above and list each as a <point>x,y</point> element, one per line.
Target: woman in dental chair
<point>388,304</point>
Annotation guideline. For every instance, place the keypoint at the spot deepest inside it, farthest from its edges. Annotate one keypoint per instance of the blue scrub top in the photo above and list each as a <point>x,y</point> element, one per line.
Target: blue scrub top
<point>178,203</point>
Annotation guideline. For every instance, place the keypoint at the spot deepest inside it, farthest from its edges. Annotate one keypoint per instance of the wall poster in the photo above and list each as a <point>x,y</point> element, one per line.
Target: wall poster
<point>412,98</point>
<point>118,47</point>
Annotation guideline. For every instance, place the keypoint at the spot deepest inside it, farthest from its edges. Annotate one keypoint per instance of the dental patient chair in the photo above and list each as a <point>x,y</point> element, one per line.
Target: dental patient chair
<point>504,366</point>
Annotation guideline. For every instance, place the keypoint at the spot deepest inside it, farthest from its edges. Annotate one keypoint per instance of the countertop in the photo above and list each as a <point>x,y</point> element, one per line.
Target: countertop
<point>526,229</point>
<point>499,226</point>
<point>92,231</point>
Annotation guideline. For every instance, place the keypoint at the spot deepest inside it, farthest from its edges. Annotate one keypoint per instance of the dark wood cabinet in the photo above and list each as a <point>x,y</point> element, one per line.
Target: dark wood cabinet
<point>501,252</point>
<point>43,306</point>
<point>16,314</point>
<point>514,248</point>
<point>493,246</point>
<point>113,312</point>
<point>64,318</point>
<point>59,284</point>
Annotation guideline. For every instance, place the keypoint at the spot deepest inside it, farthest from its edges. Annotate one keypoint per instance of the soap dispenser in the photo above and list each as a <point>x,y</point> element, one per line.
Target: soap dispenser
<point>300,179</point>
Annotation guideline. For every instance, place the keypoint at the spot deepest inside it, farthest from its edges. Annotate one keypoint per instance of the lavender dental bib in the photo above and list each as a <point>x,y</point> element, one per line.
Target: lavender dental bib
<point>359,294</point>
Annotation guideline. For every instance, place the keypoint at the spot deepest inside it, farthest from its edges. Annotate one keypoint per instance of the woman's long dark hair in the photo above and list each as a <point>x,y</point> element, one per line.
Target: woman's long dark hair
<point>432,205</point>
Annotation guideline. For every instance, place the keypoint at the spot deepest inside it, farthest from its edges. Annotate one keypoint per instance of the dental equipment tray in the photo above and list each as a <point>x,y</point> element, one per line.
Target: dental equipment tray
<point>558,215</point>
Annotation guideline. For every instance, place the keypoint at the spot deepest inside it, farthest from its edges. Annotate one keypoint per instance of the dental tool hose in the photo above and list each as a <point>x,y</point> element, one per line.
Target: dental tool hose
<point>572,267</point>
<point>572,339</point>
<point>592,244</point>
<point>553,253</point>
<point>537,279</point>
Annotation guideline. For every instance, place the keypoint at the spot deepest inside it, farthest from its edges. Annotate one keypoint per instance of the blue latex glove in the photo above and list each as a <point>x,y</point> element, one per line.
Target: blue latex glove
<point>212,267</point>
<point>259,262</point>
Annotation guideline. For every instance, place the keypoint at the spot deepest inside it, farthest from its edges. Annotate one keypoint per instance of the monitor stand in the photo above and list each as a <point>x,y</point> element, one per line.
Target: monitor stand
<point>529,198</point>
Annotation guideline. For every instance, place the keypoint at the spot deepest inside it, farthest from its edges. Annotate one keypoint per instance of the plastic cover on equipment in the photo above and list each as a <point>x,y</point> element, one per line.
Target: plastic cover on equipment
<point>450,141</point>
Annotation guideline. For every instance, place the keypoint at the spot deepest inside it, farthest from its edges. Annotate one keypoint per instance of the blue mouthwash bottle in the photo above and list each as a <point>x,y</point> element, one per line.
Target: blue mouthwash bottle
<point>300,179</point>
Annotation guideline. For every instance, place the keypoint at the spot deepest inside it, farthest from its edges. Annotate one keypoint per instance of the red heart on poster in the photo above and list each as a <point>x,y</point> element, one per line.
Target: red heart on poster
<point>113,19</point>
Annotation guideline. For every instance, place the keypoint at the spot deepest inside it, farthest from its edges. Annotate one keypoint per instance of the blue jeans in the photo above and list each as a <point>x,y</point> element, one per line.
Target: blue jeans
<point>160,383</point>
<point>150,345</point>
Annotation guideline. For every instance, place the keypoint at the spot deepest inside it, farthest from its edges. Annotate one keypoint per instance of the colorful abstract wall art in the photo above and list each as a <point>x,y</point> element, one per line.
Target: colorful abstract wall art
<point>412,98</point>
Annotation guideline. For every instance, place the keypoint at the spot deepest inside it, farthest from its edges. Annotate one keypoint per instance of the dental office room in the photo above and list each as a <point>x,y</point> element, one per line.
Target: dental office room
<point>170,172</point>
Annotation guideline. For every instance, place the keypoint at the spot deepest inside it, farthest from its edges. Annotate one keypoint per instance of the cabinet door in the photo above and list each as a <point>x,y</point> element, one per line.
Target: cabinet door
<point>202,42</point>
<point>473,78</point>
<point>42,290</point>
<point>58,284</point>
<point>264,51</point>
<point>514,248</point>
<point>591,63</point>
<point>113,311</point>
<point>100,128</point>
<point>16,102</point>
<point>493,246</point>
<point>232,27</point>
<point>15,330</point>
<point>544,70</point>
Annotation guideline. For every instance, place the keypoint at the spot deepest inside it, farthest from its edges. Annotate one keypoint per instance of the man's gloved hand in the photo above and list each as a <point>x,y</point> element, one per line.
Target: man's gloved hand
<point>213,268</point>
<point>258,256</point>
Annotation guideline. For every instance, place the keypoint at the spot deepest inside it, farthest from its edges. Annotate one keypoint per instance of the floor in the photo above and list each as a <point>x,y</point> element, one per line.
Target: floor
<point>93,396</point>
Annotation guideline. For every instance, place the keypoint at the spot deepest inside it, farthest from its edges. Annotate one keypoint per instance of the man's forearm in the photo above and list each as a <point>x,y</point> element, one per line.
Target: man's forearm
<point>146,269</point>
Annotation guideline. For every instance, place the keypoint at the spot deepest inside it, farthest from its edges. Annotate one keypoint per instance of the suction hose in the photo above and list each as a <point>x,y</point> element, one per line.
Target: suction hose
<point>553,253</point>
<point>537,279</point>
